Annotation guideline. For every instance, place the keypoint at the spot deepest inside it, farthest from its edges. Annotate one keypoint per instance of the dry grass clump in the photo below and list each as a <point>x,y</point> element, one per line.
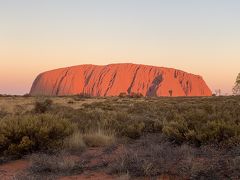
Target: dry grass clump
<point>123,177</point>
<point>75,142</point>
<point>78,141</point>
<point>16,105</point>
<point>98,139</point>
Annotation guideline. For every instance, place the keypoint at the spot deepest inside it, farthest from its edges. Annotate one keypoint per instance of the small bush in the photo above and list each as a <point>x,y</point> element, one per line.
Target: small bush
<point>43,106</point>
<point>70,102</point>
<point>27,133</point>
<point>134,130</point>
<point>176,130</point>
<point>216,131</point>
<point>122,95</point>
<point>135,95</point>
<point>27,95</point>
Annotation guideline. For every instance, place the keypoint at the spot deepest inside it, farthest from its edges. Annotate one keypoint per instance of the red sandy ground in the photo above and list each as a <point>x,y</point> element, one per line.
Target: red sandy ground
<point>96,157</point>
<point>10,169</point>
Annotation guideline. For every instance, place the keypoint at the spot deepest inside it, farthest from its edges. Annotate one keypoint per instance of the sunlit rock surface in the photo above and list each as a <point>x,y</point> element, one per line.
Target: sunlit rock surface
<point>113,79</point>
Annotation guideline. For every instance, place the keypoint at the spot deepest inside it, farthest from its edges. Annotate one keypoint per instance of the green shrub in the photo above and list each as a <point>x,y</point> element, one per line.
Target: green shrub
<point>218,131</point>
<point>198,133</point>
<point>176,130</point>
<point>28,133</point>
<point>133,130</point>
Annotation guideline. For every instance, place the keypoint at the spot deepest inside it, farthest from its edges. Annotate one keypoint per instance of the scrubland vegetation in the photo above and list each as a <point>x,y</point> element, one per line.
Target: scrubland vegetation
<point>187,137</point>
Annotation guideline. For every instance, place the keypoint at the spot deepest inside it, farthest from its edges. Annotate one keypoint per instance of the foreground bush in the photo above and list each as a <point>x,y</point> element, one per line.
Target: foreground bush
<point>59,163</point>
<point>214,131</point>
<point>152,156</point>
<point>28,133</point>
<point>50,166</point>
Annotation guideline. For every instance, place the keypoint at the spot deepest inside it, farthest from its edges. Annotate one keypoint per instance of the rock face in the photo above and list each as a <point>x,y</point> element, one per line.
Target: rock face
<point>113,79</point>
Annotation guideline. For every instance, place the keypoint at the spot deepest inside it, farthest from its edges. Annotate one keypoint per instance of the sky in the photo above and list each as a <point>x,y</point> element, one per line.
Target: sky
<point>197,36</point>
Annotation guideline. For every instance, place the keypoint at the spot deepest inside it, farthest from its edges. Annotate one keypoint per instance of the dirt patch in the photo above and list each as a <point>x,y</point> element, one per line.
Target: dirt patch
<point>89,175</point>
<point>9,170</point>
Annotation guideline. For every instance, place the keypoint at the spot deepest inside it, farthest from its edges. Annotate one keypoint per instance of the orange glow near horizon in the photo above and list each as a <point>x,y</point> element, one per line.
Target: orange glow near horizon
<point>198,37</point>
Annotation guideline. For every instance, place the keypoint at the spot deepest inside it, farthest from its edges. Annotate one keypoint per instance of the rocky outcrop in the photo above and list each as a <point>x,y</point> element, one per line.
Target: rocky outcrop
<point>113,79</point>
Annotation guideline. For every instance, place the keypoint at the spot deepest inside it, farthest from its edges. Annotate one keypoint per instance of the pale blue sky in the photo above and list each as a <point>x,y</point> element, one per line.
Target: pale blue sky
<point>198,36</point>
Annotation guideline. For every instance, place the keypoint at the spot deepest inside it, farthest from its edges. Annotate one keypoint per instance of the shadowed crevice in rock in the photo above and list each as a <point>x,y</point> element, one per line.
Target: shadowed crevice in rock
<point>60,82</point>
<point>133,80</point>
<point>88,77</point>
<point>152,90</point>
<point>111,83</point>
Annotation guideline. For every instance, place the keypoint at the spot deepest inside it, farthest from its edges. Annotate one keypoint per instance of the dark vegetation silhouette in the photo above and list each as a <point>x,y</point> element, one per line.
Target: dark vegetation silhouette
<point>236,88</point>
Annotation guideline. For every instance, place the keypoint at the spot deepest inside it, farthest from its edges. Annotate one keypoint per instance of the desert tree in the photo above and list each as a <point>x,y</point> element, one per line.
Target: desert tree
<point>218,92</point>
<point>236,88</point>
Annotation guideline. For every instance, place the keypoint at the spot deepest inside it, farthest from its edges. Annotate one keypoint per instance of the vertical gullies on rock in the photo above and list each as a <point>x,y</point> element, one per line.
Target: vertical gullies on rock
<point>111,83</point>
<point>60,82</point>
<point>129,90</point>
